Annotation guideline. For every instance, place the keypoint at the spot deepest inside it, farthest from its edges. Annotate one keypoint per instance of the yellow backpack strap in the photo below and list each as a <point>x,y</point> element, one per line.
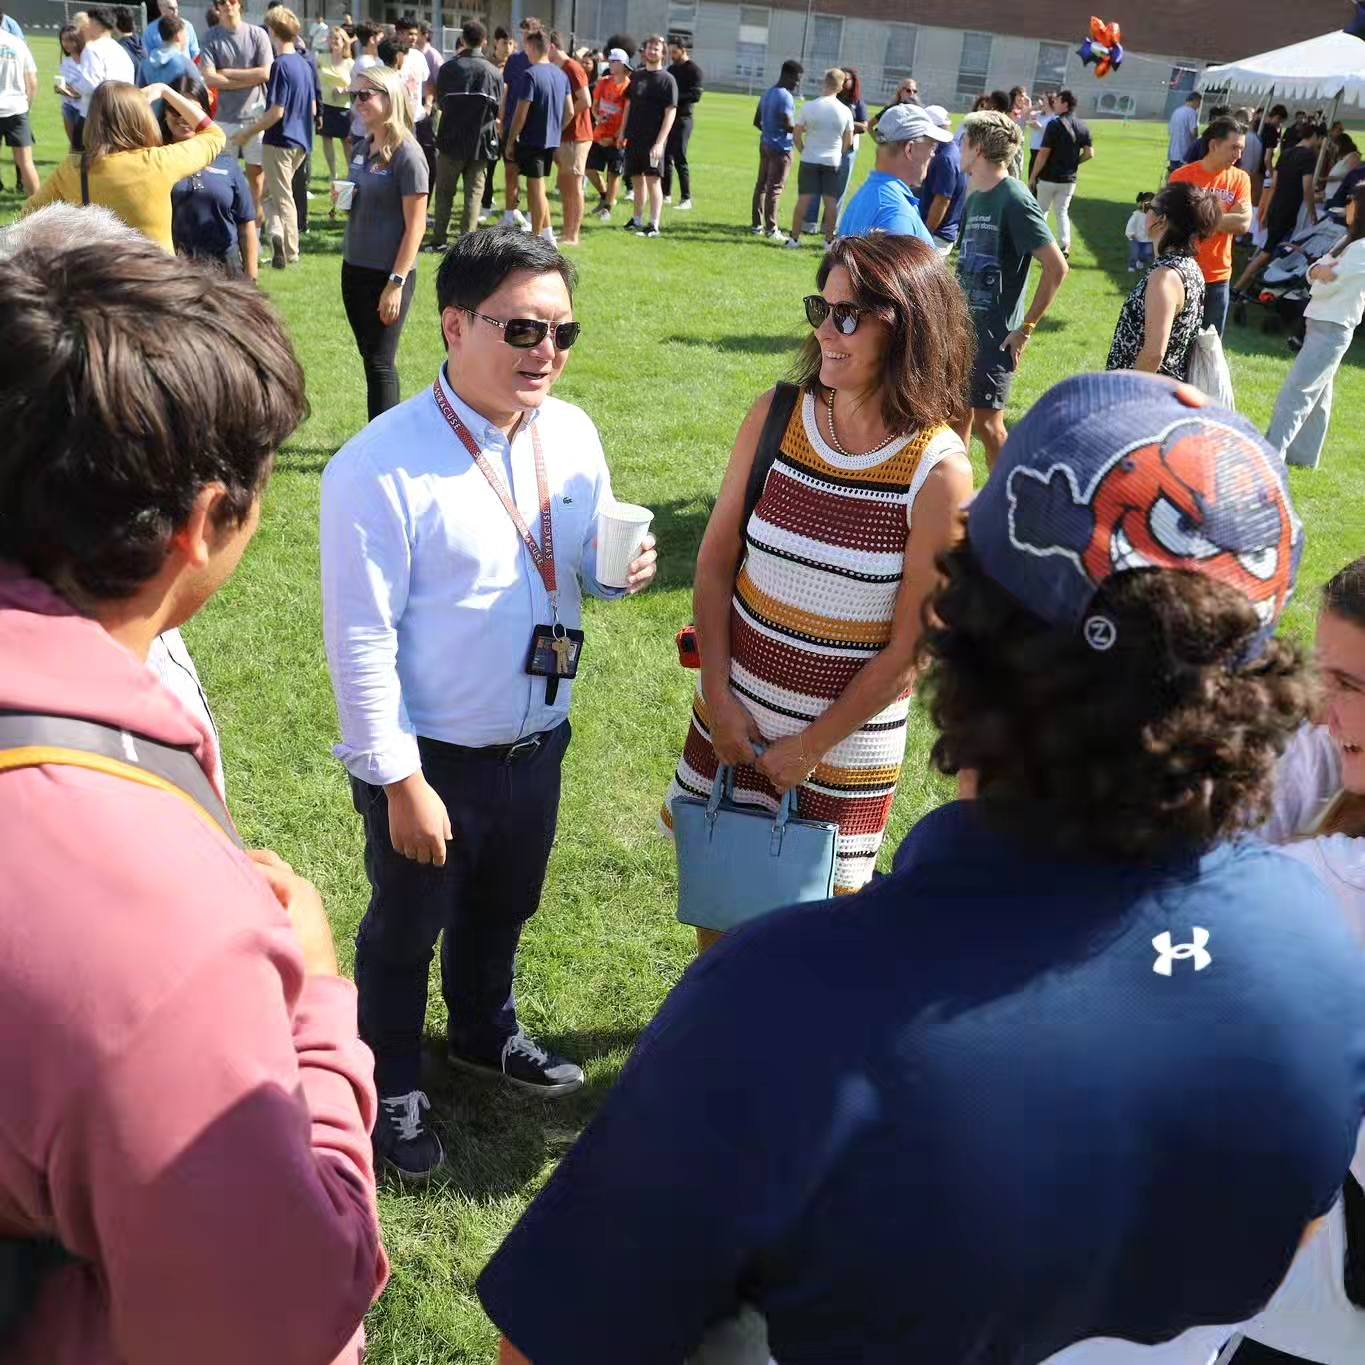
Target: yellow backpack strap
<point>32,740</point>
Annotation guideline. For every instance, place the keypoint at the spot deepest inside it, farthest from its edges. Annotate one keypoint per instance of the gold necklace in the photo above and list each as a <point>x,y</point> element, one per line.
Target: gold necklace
<point>833,437</point>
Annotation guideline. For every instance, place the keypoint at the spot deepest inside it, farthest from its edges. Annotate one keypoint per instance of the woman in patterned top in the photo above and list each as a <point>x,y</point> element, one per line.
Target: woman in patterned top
<point>808,616</point>
<point>1161,317</point>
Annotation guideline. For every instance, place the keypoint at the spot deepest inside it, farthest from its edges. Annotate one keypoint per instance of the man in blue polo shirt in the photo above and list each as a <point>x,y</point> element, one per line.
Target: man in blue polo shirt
<point>944,191</point>
<point>906,139</point>
<point>775,120</point>
<point>1091,1061</point>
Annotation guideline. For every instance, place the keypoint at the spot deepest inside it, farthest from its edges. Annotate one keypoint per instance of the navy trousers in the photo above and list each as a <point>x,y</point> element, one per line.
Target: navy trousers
<point>503,816</point>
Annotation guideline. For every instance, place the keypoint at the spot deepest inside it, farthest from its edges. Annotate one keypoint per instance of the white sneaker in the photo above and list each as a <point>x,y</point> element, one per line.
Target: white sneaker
<point>1131,269</point>
<point>759,231</point>
<point>508,219</point>
<point>685,206</point>
<point>604,214</point>
<point>548,235</point>
<point>777,235</point>
<point>792,244</point>
<point>668,199</point>
<point>519,219</point>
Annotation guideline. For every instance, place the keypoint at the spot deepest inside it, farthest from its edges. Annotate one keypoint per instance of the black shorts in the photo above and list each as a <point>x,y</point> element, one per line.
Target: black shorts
<point>535,163</point>
<point>335,122</point>
<point>993,371</point>
<point>604,158</point>
<point>638,162</point>
<point>1276,230</point>
<point>818,180</point>
<point>15,131</point>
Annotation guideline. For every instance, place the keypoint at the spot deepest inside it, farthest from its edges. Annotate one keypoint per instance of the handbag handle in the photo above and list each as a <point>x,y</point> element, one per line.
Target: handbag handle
<point>723,789</point>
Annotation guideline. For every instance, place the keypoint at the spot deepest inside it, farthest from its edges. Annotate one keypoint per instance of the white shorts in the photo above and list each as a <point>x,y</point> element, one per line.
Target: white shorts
<point>251,153</point>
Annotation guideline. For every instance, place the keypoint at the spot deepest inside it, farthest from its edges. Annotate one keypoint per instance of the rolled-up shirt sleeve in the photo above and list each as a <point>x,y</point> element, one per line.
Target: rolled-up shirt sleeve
<point>602,498</point>
<point>366,569</point>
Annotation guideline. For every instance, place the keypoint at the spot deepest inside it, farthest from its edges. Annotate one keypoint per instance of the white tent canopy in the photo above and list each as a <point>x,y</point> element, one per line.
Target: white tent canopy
<point>1327,68</point>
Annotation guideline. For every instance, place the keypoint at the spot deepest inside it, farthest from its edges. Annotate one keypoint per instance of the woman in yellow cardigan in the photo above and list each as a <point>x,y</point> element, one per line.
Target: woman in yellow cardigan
<point>127,168</point>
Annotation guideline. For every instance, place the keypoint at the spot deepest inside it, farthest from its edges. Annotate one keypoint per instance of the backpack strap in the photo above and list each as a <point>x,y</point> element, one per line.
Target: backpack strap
<point>785,398</point>
<point>85,180</point>
<point>31,740</point>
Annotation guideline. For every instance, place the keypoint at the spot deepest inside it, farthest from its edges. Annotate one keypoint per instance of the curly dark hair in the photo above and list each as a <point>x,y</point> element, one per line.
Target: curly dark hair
<point>1161,746</point>
<point>928,362</point>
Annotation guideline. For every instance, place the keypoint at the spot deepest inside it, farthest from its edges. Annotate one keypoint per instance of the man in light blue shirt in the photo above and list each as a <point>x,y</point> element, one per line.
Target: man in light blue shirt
<point>153,38</point>
<point>906,139</point>
<point>451,640</point>
<point>775,119</point>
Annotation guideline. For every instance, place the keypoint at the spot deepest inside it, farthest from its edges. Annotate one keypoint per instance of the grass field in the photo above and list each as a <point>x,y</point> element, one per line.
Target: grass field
<point>679,335</point>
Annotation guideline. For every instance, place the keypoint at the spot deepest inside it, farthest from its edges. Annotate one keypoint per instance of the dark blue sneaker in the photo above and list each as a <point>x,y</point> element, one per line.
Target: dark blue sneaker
<point>525,1064</point>
<point>403,1143</point>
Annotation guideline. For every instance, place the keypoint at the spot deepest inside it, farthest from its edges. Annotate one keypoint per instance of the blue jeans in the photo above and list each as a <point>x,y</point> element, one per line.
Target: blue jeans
<point>503,816</point>
<point>1216,306</point>
<point>1140,253</point>
<point>1304,408</point>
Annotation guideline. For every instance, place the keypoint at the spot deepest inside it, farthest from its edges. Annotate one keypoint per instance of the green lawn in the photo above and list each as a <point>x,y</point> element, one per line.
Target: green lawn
<point>679,335</point>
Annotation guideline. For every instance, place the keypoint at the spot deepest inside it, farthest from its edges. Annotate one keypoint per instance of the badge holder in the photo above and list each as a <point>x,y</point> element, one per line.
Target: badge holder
<point>555,652</point>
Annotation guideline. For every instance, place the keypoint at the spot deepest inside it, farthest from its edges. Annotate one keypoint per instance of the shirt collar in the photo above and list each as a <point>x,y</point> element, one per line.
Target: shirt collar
<point>482,430</point>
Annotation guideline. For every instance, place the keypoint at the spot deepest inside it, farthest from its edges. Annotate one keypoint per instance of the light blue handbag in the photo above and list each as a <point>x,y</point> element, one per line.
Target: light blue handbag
<point>736,863</point>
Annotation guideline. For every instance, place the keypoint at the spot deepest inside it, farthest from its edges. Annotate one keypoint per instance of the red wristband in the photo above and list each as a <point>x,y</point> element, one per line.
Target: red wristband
<point>205,122</point>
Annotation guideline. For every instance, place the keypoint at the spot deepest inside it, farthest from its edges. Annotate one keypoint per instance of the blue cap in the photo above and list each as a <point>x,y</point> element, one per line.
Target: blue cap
<point>1113,472</point>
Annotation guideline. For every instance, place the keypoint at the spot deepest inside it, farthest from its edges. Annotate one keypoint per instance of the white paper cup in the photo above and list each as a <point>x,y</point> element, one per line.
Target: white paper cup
<point>621,527</point>
<point>342,193</point>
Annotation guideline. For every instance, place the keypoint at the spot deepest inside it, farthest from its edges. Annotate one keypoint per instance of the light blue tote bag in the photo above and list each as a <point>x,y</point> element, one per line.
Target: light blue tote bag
<point>736,863</point>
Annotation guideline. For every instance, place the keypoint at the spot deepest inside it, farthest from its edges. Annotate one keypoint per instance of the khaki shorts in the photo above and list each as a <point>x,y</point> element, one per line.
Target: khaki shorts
<point>572,157</point>
<point>251,153</point>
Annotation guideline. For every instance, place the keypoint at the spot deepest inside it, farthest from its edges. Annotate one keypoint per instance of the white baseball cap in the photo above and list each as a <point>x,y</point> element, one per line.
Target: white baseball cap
<point>618,54</point>
<point>908,123</point>
<point>939,115</point>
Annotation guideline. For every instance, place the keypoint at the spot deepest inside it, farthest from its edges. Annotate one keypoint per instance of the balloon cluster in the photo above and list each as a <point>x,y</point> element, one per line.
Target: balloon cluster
<point>1104,47</point>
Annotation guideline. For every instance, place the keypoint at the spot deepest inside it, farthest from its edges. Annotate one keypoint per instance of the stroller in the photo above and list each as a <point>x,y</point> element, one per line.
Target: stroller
<point>1283,287</point>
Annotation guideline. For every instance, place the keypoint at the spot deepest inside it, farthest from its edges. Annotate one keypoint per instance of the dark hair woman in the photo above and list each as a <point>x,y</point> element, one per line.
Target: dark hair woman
<point>808,611</point>
<point>852,96</point>
<point>213,217</point>
<point>1161,317</point>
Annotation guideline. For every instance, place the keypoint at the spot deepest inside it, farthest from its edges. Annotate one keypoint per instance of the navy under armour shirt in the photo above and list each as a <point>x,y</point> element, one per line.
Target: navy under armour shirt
<point>967,1118</point>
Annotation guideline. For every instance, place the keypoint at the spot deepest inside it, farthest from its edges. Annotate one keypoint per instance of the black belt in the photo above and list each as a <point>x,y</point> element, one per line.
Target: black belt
<point>517,752</point>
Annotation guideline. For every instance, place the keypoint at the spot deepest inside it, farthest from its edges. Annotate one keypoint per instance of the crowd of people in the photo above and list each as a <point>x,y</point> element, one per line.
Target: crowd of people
<point>1061,958</point>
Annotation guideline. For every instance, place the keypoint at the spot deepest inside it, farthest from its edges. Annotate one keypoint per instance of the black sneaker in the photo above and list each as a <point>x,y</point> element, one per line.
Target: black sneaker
<point>277,257</point>
<point>652,230</point>
<point>525,1064</point>
<point>633,225</point>
<point>403,1143</point>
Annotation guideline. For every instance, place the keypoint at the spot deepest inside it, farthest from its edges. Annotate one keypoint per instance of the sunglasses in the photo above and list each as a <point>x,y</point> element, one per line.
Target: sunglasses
<point>847,316</point>
<point>524,333</point>
<point>362,95</point>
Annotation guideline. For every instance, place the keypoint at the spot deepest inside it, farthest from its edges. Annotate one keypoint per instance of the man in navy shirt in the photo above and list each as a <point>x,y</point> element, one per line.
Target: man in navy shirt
<point>1090,1062</point>
<point>287,125</point>
<point>906,141</point>
<point>945,188</point>
<point>513,75</point>
<point>776,121</point>
<point>544,105</point>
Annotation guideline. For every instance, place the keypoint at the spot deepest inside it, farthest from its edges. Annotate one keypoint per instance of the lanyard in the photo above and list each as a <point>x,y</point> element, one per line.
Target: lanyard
<point>544,560</point>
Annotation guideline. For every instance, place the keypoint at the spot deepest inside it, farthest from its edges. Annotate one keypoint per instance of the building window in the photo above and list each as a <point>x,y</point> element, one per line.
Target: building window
<point>899,61</point>
<point>682,20</point>
<point>1050,75</point>
<point>974,65</point>
<point>826,38</point>
<point>751,51</point>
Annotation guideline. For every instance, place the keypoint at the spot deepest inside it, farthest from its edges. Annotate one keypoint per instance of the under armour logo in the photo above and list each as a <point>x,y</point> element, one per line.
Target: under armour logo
<point>1167,953</point>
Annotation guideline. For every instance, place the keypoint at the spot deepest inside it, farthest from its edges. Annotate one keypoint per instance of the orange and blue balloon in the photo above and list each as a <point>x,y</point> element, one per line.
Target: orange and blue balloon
<point>1103,48</point>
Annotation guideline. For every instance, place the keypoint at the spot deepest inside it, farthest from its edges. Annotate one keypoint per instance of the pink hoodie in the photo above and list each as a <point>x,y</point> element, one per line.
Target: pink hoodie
<point>180,1105</point>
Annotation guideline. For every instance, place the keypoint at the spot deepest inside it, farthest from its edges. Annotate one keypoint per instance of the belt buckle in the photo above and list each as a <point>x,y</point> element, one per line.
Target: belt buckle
<point>523,748</point>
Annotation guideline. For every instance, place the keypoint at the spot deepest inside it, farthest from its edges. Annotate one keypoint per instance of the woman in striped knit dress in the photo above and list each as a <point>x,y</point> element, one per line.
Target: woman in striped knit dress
<point>808,617</point>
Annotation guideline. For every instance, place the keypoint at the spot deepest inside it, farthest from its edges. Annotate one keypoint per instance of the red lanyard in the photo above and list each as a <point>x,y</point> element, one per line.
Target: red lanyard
<point>544,560</point>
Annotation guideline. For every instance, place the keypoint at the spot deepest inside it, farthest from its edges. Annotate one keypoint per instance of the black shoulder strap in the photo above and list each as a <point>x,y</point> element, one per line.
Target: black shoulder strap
<point>1353,1271</point>
<point>85,180</point>
<point>784,402</point>
<point>45,736</point>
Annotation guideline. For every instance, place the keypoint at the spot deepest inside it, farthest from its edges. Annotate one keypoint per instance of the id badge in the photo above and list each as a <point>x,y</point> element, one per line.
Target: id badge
<point>554,654</point>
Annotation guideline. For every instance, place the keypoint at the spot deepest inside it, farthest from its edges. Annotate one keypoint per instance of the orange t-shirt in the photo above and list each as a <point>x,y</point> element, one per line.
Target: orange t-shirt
<point>1232,189</point>
<point>580,130</point>
<point>609,109</point>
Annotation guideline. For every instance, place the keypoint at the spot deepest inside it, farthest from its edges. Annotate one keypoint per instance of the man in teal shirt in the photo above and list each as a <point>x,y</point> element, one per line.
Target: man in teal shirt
<point>906,139</point>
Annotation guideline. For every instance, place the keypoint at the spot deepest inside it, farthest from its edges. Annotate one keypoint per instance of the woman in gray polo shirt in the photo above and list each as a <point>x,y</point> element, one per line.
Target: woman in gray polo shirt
<point>384,230</point>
